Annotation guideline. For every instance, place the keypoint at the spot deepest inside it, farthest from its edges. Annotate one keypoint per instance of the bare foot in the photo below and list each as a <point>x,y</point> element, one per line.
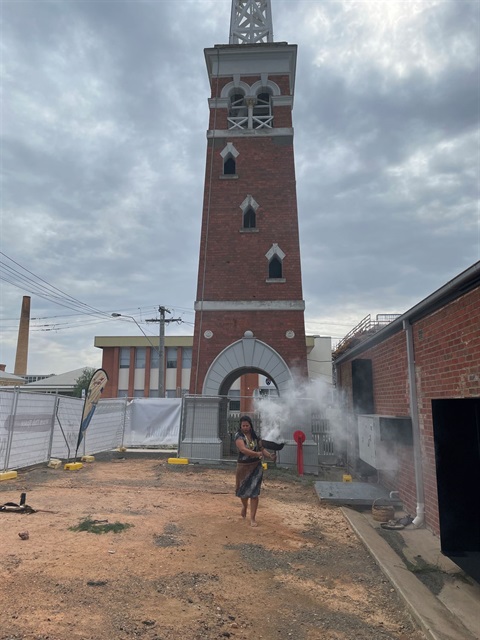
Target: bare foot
<point>244,512</point>
<point>253,524</point>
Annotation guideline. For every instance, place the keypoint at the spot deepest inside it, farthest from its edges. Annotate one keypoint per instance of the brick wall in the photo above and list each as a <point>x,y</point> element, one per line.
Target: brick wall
<point>447,365</point>
<point>235,256</point>
<point>110,362</point>
<point>447,354</point>
<point>267,326</point>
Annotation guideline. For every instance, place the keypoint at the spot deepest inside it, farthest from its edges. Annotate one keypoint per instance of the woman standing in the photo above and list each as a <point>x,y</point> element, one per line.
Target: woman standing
<point>249,467</point>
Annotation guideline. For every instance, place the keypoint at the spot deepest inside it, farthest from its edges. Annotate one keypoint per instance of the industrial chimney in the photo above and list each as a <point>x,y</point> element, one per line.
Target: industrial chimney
<point>22,342</point>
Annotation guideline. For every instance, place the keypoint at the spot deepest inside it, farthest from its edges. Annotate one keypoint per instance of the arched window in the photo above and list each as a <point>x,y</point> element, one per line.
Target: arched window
<point>249,218</point>
<point>275,268</point>
<point>275,258</point>
<point>229,158</point>
<point>229,166</point>
<point>249,213</point>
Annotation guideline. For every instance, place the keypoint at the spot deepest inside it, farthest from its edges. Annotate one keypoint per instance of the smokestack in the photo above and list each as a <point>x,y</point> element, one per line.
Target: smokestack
<point>22,342</point>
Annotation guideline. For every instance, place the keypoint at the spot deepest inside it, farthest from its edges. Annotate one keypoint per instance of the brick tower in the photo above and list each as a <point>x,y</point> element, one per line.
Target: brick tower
<point>249,312</point>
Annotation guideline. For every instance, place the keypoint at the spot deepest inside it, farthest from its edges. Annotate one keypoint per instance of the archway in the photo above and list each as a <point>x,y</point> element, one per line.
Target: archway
<point>204,434</point>
<point>244,356</point>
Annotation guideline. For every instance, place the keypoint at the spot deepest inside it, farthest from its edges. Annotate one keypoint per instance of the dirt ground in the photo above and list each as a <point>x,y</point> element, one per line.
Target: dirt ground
<point>188,566</point>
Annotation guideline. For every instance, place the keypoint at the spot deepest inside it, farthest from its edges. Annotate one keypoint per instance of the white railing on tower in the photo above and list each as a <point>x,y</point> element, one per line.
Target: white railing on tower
<point>258,122</point>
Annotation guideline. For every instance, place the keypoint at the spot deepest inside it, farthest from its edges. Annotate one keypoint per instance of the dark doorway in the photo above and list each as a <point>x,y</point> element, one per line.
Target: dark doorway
<point>362,386</point>
<point>456,431</point>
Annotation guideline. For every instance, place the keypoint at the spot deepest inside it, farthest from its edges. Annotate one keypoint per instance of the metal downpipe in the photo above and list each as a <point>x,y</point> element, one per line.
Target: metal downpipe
<point>417,454</point>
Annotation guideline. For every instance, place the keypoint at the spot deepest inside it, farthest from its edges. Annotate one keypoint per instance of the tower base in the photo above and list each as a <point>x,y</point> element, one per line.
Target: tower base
<point>200,429</point>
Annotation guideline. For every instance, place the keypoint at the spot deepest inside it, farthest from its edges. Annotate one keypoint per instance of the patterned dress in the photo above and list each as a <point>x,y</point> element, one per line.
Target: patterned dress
<point>249,470</point>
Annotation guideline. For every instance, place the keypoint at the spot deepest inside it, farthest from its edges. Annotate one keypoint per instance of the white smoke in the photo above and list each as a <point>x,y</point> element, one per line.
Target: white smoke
<point>304,402</point>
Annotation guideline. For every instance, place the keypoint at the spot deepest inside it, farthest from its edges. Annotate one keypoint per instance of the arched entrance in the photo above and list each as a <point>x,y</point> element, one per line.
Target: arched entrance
<point>244,356</point>
<point>204,418</point>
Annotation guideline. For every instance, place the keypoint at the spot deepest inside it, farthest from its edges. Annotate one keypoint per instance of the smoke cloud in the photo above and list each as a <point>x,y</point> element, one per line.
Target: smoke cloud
<point>305,404</point>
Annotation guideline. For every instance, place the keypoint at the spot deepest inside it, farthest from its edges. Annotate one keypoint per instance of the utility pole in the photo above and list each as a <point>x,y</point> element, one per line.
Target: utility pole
<point>161,346</point>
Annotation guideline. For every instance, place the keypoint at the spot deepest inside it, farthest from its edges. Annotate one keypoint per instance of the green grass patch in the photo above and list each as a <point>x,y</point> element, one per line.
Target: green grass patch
<point>96,526</point>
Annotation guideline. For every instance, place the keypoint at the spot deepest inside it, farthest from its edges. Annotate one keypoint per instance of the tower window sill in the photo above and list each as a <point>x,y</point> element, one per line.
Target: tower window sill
<point>254,230</point>
<point>276,280</point>
<point>232,176</point>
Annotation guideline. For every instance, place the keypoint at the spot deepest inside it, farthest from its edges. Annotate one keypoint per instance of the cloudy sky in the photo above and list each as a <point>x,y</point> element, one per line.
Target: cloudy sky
<point>103,121</point>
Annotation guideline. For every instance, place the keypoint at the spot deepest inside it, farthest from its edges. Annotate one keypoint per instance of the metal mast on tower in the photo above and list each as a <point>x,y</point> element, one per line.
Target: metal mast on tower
<point>251,22</point>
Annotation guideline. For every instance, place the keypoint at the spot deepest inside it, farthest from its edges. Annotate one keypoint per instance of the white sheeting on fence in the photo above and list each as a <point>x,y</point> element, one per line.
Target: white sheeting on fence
<point>153,421</point>
<point>106,428</point>
<point>25,428</point>
<point>35,427</point>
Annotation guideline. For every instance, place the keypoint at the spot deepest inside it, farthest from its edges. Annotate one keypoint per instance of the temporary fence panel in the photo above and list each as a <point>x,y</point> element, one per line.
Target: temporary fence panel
<point>106,428</point>
<point>7,408</point>
<point>35,427</point>
<point>323,436</point>
<point>68,415</point>
<point>153,422</point>
<point>28,428</point>
<point>204,429</point>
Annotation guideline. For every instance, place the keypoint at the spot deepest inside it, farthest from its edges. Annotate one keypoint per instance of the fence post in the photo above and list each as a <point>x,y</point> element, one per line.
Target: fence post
<point>124,422</point>
<point>13,413</point>
<point>52,429</point>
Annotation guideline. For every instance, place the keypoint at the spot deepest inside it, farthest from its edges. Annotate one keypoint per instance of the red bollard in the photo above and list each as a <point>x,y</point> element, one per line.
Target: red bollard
<point>299,438</point>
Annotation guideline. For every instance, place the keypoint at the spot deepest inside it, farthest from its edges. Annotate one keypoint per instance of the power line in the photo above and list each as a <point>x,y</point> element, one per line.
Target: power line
<point>42,288</point>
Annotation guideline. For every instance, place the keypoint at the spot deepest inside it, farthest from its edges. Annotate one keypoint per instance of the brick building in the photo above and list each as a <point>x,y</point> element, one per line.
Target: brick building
<point>413,393</point>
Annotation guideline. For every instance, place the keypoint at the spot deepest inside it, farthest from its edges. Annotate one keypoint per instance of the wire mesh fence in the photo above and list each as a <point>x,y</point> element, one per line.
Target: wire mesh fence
<point>209,426</point>
<point>35,427</point>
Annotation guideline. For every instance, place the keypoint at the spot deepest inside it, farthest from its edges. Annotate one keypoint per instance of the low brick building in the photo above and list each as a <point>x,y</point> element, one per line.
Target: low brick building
<point>412,389</point>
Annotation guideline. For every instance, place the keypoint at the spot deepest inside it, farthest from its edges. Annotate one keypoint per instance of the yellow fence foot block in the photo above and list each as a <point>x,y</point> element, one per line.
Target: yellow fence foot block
<point>54,463</point>
<point>177,460</point>
<point>8,475</point>
<point>87,458</point>
<point>73,466</point>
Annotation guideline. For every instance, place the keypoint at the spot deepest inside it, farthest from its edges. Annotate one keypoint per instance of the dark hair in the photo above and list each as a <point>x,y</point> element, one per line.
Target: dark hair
<point>250,422</point>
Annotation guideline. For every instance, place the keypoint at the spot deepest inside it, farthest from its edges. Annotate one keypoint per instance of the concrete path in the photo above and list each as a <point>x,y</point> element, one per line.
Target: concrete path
<point>453,611</point>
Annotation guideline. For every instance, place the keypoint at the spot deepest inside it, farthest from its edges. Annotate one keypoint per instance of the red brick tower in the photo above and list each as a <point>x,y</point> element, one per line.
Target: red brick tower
<point>249,278</point>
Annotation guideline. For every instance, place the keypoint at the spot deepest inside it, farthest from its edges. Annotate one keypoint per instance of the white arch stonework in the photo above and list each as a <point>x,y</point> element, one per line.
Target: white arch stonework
<point>250,91</point>
<point>247,353</point>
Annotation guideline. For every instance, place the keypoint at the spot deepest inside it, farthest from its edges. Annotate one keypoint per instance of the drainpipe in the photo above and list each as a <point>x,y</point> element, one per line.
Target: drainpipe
<point>417,454</point>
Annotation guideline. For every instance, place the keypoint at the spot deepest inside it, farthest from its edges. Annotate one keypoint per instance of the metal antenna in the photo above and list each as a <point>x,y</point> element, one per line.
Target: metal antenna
<point>251,22</point>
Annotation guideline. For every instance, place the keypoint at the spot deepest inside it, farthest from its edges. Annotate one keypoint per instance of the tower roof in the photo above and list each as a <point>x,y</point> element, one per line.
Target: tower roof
<point>251,22</point>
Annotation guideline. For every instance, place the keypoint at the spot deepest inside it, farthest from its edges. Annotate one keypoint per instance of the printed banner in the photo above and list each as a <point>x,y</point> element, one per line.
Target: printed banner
<point>94,391</point>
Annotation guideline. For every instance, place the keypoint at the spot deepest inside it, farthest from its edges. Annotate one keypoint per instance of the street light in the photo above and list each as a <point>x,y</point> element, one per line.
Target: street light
<point>161,360</point>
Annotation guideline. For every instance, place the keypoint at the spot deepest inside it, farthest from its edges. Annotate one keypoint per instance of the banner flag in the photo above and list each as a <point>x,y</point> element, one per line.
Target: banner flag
<point>95,389</point>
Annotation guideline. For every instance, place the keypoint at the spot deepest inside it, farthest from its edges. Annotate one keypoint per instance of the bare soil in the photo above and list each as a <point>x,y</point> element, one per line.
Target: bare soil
<point>189,566</point>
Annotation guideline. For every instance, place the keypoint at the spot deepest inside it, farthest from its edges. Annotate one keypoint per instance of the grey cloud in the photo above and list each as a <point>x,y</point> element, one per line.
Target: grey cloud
<point>104,156</point>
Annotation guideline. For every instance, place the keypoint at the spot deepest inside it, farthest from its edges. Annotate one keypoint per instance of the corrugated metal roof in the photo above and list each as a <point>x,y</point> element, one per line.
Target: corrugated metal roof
<point>67,379</point>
